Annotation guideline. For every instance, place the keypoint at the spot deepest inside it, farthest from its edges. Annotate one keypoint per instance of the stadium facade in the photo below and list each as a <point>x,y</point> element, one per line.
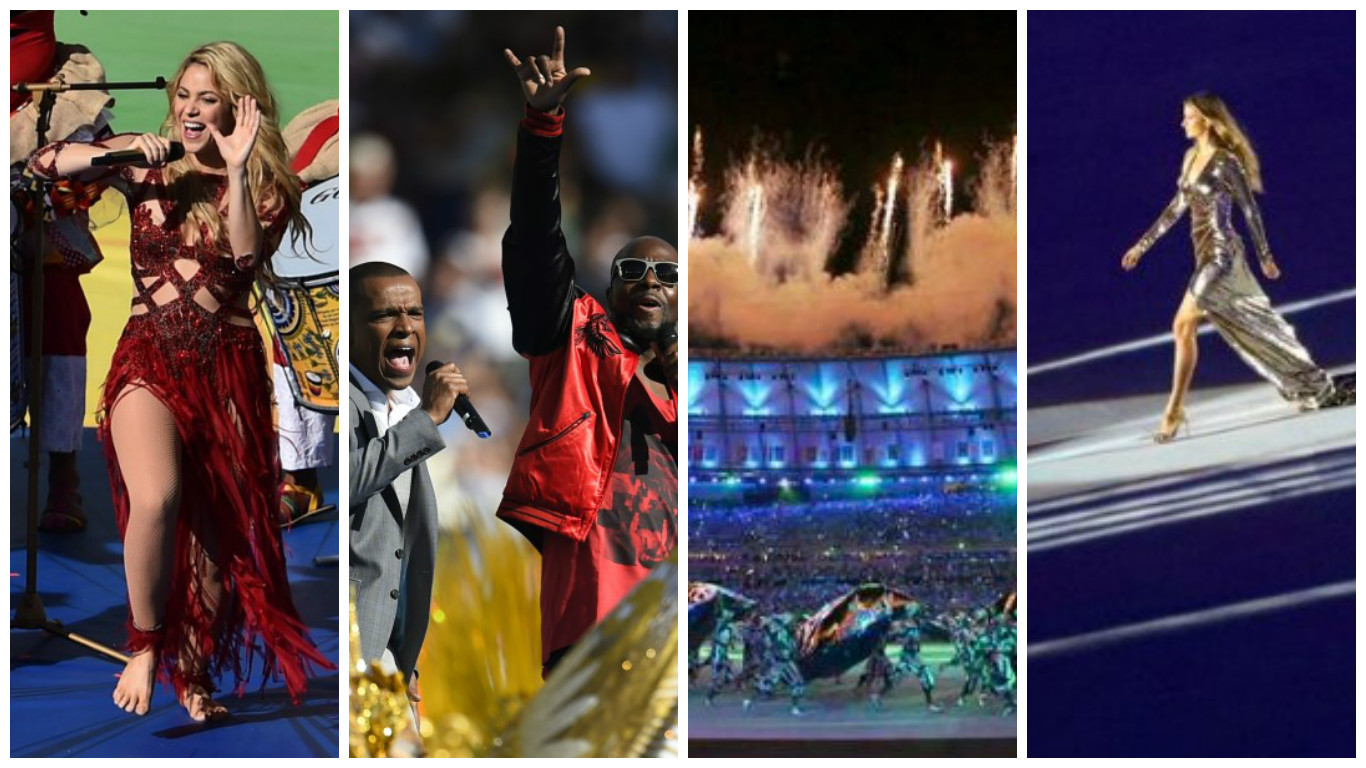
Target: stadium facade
<point>770,424</point>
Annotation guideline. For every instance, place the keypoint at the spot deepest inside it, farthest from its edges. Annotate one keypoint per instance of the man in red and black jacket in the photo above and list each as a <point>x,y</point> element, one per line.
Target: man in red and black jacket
<point>594,485</point>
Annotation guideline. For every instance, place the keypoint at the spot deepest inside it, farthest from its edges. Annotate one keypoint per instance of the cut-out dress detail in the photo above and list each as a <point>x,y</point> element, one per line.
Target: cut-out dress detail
<point>191,343</point>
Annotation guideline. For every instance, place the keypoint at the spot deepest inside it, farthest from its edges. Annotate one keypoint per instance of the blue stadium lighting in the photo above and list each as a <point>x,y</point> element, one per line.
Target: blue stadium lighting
<point>959,389</point>
<point>823,391</point>
<point>697,389</point>
<point>891,392</point>
<point>755,394</point>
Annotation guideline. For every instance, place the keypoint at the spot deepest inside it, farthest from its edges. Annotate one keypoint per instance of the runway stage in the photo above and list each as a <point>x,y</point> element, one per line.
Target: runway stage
<point>60,693</point>
<point>1195,598</point>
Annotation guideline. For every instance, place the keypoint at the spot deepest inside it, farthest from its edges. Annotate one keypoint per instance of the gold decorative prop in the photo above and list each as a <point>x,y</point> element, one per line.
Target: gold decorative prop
<point>379,702</point>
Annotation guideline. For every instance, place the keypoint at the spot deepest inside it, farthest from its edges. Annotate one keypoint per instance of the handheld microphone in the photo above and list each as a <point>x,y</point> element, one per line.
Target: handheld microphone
<point>124,156</point>
<point>465,408</point>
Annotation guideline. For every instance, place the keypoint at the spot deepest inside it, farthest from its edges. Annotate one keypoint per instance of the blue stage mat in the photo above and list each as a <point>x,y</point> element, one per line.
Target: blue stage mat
<point>60,693</point>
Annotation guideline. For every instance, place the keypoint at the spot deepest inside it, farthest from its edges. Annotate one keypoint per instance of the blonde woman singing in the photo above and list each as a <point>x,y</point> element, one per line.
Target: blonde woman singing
<point>186,412</point>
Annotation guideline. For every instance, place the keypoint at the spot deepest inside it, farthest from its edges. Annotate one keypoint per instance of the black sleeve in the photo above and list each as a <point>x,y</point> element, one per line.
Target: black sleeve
<point>538,271</point>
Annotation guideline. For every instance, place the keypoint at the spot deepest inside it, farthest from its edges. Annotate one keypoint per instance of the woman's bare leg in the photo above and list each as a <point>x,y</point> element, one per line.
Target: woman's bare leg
<point>1184,333</point>
<point>208,579</point>
<point>197,700</point>
<point>148,450</point>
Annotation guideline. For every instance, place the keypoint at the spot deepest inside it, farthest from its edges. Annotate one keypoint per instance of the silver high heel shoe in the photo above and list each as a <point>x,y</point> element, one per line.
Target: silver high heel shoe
<point>1171,428</point>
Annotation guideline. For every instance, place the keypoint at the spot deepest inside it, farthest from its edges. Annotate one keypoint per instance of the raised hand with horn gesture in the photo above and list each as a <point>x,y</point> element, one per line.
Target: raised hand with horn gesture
<point>545,79</point>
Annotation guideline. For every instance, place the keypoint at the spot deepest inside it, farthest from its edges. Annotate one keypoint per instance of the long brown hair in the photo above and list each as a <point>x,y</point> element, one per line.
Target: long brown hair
<point>1229,134</point>
<point>273,184</point>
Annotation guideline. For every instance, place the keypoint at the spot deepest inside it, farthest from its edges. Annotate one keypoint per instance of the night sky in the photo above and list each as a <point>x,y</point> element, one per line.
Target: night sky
<point>861,86</point>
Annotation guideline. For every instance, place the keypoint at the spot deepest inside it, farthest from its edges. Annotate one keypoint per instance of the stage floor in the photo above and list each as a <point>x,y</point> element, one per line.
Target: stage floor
<point>1196,598</point>
<point>60,693</point>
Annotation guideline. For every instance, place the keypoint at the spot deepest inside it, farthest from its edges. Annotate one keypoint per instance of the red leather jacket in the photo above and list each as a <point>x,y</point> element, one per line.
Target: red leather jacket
<point>580,366</point>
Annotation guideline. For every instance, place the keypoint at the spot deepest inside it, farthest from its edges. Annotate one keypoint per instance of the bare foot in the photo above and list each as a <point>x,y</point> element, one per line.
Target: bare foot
<point>133,694</point>
<point>201,707</point>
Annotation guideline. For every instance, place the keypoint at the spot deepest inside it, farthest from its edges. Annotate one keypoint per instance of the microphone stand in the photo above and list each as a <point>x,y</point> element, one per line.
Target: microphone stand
<point>31,614</point>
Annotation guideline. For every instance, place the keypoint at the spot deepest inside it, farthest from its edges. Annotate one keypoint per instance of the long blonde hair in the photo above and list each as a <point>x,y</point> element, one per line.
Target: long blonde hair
<point>1229,134</point>
<point>273,184</point>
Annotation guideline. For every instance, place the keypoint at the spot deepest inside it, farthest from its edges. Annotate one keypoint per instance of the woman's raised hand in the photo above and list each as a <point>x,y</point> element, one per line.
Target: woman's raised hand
<point>1131,258</point>
<point>545,80</point>
<point>236,146</point>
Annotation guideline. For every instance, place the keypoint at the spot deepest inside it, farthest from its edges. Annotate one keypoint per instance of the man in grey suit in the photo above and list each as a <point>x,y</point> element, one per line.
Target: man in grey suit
<point>393,433</point>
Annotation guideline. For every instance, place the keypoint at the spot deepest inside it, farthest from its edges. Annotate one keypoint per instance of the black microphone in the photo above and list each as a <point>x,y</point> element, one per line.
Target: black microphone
<point>465,408</point>
<point>124,156</point>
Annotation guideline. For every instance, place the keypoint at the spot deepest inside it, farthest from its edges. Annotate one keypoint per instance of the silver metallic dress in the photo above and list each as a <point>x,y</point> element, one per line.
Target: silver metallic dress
<point>1223,284</point>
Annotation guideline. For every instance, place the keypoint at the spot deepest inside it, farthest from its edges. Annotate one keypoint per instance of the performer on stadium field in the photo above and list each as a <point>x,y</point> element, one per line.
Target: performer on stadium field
<point>779,664</point>
<point>911,665</point>
<point>308,441</point>
<point>594,484</point>
<point>186,411</point>
<point>722,673</point>
<point>877,675</point>
<point>70,250</point>
<point>392,435</point>
<point>999,659</point>
<point>753,641</point>
<point>1220,170</point>
<point>968,652</point>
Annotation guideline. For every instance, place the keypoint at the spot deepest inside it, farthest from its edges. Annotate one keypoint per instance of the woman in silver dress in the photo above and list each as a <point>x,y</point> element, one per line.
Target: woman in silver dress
<point>1219,170</point>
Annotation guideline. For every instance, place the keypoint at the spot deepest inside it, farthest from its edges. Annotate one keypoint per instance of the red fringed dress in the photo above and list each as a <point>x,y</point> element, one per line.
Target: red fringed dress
<point>202,357</point>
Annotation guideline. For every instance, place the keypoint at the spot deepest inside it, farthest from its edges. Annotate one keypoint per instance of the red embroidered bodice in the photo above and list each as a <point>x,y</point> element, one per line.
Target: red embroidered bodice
<point>192,296</point>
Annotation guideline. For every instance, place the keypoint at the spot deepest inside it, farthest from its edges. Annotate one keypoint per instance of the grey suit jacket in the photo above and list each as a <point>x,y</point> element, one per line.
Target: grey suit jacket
<point>391,545</point>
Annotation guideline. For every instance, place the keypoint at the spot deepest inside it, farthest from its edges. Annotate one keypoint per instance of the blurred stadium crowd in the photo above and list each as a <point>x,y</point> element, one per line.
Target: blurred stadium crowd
<point>951,551</point>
